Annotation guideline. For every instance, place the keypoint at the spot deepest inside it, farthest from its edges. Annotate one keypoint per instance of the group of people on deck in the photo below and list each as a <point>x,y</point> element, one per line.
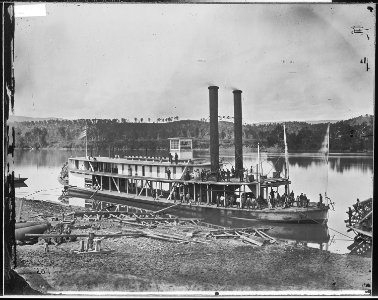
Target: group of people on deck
<point>245,201</point>
<point>170,157</point>
<point>244,175</point>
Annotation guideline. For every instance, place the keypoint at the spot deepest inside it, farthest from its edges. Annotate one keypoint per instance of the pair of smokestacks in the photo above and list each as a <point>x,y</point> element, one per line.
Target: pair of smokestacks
<point>214,134</point>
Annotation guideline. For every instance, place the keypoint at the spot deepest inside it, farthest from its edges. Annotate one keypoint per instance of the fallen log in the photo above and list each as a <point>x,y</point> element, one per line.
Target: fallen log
<point>157,237</point>
<point>156,219</point>
<point>131,223</point>
<point>272,240</point>
<point>239,229</point>
<point>26,233</point>
<point>105,213</point>
<point>250,239</point>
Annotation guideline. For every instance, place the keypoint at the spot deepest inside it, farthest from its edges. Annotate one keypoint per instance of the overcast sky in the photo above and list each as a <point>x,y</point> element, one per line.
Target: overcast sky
<point>292,62</point>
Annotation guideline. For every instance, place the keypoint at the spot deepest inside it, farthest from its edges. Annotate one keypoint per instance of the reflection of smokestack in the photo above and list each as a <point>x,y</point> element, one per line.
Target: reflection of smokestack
<point>214,135</point>
<point>238,134</point>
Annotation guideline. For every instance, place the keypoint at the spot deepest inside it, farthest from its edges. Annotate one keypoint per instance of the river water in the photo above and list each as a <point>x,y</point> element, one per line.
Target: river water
<point>345,178</point>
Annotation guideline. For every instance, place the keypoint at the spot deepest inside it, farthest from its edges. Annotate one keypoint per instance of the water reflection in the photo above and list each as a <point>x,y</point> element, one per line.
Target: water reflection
<point>339,164</point>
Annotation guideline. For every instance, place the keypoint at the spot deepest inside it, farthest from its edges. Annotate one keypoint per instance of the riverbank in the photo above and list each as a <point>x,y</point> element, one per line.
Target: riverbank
<point>148,265</point>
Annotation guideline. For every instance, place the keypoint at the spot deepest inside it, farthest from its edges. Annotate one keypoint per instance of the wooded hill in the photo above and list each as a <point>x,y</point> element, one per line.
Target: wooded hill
<point>353,135</point>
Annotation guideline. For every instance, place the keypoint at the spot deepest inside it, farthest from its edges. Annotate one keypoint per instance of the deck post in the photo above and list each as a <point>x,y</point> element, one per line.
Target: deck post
<point>224,195</point>
<point>101,181</point>
<point>156,189</point>
<point>208,194</point>
<point>194,192</point>
<point>119,188</point>
<point>127,185</point>
<point>146,188</point>
<point>136,186</point>
<point>211,196</point>
<point>110,185</point>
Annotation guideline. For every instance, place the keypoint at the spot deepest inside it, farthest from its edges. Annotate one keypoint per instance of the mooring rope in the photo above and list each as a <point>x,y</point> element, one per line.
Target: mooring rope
<point>40,191</point>
<point>327,226</point>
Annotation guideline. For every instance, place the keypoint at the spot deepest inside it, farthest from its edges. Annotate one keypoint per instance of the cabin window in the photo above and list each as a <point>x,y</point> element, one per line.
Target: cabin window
<point>143,171</point>
<point>158,170</point>
<point>174,144</point>
<point>150,169</point>
<point>186,144</point>
<point>136,168</point>
<point>174,170</point>
<point>76,164</point>
<point>123,167</point>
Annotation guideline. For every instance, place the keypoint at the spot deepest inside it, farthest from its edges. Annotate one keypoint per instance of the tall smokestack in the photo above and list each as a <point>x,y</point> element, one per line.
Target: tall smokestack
<point>214,135</point>
<point>238,134</point>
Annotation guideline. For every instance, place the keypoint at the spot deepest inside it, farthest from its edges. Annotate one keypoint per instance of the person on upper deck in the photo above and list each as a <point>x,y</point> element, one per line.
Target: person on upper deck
<point>168,171</point>
<point>176,158</point>
<point>223,174</point>
<point>170,157</point>
<point>232,172</point>
<point>241,175</point>
<point>228,174</point>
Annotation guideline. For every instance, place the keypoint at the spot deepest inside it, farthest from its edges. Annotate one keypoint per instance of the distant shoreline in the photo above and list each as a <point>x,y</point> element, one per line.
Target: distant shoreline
<point>270,151</point>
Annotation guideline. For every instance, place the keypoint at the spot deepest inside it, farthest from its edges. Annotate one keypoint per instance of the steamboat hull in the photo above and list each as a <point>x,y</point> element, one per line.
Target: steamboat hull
<point>287,215</point>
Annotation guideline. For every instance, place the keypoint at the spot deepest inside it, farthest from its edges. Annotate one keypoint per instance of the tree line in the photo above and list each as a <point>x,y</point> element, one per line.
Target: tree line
<point>353,135</point>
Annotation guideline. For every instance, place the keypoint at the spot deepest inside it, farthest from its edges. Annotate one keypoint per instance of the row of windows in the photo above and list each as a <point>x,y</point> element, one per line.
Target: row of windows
<point>113,168</point>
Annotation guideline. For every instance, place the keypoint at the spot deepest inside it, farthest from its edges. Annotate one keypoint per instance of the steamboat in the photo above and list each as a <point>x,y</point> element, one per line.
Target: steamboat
<point>190,186</point>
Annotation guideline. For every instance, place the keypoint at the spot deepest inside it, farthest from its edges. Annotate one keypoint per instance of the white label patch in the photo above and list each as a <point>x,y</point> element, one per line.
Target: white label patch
<point>32,10</point>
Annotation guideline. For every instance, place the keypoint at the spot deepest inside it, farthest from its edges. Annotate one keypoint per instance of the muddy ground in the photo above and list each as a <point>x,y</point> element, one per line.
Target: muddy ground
<point>141,264</point>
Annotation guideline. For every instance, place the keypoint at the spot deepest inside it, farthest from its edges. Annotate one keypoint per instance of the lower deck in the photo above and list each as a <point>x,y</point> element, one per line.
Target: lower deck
<point>310,214</point>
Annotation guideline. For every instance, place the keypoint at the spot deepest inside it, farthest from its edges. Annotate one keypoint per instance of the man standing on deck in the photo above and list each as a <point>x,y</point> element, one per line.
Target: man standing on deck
<point>218,200</point>
<point>228,174</point>
<point>168,173</point>
<point>223,174</point>
<point>320,204</point>
<point>271,194</point>
<point>232,172</point>
<point>170,157</point>
<point>241,175</point>
<point>223,201</point>
<point>176,158</point>
<point>187,198</point>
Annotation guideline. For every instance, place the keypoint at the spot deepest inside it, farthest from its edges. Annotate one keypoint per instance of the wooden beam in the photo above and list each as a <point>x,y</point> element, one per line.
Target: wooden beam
<point>116,184</point>
<point>164,209</point>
